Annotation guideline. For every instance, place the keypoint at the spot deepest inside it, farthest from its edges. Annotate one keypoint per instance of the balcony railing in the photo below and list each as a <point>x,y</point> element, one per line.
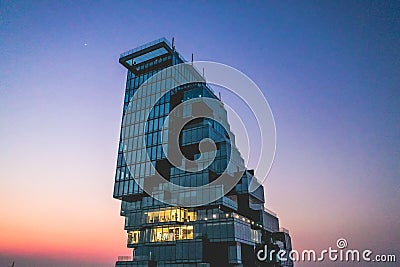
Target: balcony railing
<point>270,212</point>
<point>146,46</point>
<point>284,230</point>
<point>125,258</point>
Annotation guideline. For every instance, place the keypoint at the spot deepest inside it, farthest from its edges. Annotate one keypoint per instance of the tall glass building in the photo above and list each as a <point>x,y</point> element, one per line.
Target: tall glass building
<point>187,218</point>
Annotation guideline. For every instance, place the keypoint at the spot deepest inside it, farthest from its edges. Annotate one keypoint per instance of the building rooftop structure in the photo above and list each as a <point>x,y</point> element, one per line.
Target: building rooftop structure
<point>163,228</point>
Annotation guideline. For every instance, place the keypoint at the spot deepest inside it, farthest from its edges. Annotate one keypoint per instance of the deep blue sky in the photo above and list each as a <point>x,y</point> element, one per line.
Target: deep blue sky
<point>330,71</point>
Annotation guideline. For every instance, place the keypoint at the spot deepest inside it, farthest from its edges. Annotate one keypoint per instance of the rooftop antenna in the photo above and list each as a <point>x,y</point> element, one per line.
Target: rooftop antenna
<point>173,45</point>
<point>192,58</point>
<point>203,73</point>
<point>219,93</point>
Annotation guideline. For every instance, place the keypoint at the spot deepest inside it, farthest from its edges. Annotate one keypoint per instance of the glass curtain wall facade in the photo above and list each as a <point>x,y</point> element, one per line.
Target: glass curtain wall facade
<point>225,232</point>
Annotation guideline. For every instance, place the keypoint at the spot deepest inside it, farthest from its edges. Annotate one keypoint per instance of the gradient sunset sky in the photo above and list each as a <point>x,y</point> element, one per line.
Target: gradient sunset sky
<point>330,71</point>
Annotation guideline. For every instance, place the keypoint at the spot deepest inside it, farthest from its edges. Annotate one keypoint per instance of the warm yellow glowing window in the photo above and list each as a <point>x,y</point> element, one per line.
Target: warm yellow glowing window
<point>170,215</point>
<point>171,233</point>
<point>133,237</point>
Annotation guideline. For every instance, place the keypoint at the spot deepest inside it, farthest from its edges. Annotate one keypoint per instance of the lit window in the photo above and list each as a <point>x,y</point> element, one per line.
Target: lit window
<point>133,237</point>
<point>170,215</point>
<point>171,233</point>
